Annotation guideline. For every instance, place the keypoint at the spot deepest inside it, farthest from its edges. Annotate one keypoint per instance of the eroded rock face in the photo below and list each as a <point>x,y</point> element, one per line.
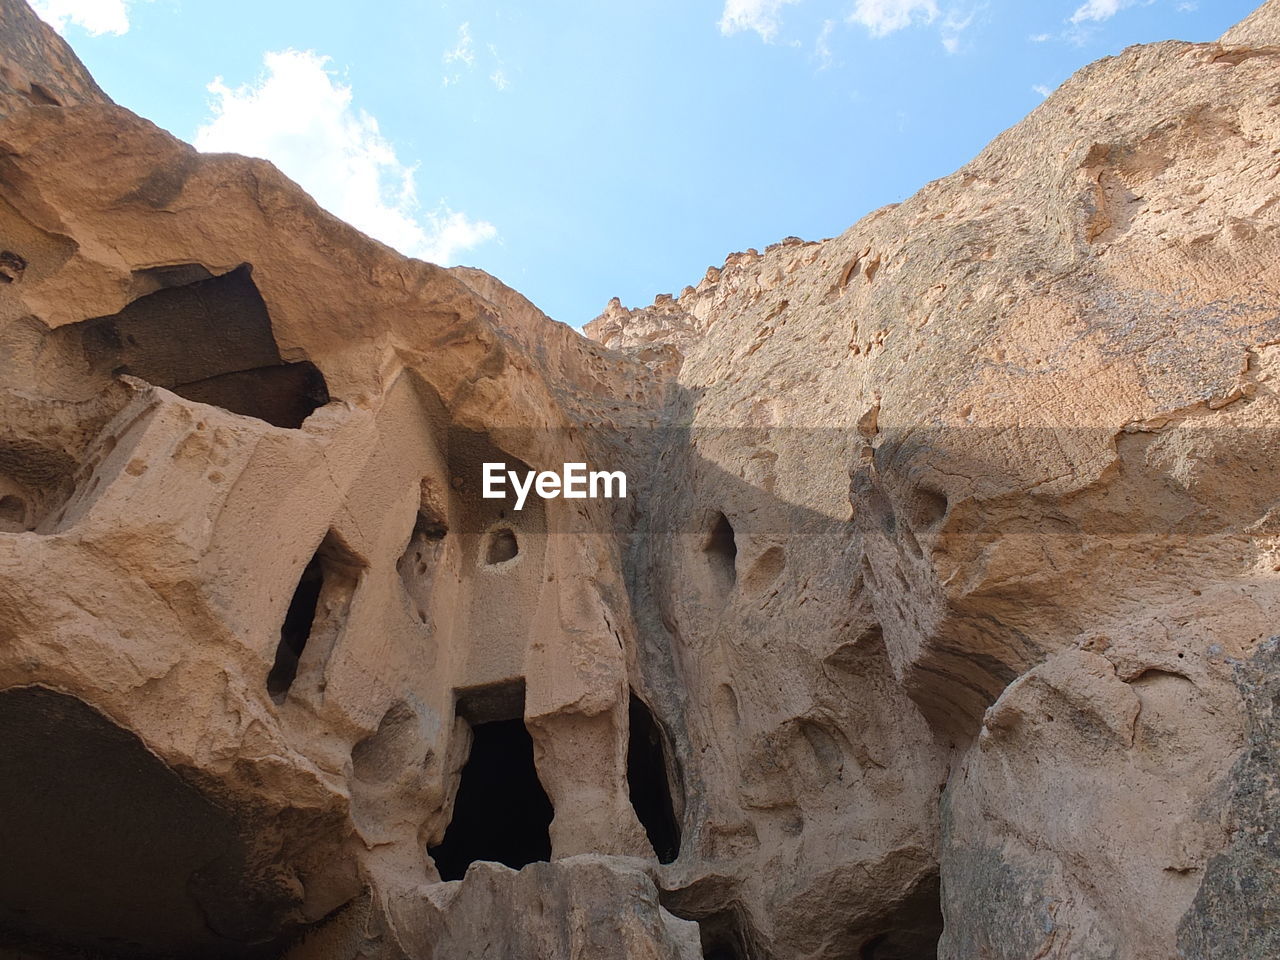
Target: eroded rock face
<point>932,624</point>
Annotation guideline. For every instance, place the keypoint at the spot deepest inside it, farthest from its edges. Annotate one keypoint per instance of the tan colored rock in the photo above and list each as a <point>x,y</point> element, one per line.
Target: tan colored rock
<point>39,68</point>
<point>940,591</point>
<point>1259,29</point>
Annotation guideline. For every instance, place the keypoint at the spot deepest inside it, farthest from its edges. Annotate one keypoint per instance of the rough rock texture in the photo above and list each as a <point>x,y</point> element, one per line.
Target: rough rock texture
<point>932,624</point>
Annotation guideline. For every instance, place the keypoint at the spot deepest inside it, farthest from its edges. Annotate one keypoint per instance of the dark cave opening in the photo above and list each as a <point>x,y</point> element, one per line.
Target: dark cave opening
<point>501,812</point>
<point>723,937</point>
<point>208,339</point>
<point>315,618</point>
<point>649,781</point>
<point>296,630</point>
<point>110,853</point>
<point>912,930</point>
<point>502,546</point>
<point>722,553</point>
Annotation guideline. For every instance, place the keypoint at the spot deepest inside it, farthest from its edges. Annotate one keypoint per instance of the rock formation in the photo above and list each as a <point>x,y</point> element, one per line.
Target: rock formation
<point>935,622</point>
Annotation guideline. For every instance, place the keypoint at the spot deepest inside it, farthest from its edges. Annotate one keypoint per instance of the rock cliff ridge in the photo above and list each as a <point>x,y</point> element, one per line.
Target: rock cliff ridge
<point>939,620</point>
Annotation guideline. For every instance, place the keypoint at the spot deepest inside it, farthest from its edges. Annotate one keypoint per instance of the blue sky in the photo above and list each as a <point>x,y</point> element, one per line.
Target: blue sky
<point>580,149</point>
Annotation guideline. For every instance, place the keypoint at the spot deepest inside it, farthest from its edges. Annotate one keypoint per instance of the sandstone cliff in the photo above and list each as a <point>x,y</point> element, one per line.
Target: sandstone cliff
<point>935,623</point>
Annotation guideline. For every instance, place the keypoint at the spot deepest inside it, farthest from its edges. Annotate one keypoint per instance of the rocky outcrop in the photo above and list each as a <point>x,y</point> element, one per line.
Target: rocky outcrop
<point>1260,29</point>
<point>37,68</point>
<point>932,624</point>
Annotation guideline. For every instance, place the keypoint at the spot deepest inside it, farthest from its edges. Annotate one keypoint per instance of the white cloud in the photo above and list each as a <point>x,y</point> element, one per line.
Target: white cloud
<point>1041,89</point>
<point>822,46</point>
<point>1100,10</point>
<point>879,17</point>
<point>1040,37</point>
<point>95,16</point>
<point>499,76</point>
<point>953,25</point>
<point>883,17</point>
<point>762,16</point>
<point>302,119</point>
<point>463,51</point>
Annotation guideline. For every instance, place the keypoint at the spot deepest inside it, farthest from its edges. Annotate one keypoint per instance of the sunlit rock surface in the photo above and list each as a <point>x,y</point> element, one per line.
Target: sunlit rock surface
<point>934,624</point>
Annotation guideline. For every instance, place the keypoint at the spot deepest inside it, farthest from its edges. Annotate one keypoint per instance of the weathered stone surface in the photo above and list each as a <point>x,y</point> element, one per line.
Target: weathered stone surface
<point>39,69</point>
<point>945,542</point>
<point>1261,28</point>
<point>1236,911</point>
<point>579,908</point>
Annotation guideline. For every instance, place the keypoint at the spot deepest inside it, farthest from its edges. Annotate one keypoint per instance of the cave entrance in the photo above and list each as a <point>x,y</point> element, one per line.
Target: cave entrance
<point>109,852</point>
<point>912,930</point>
<point>724,937</point>
<point>649,781</point>
<point>501,812</point>
<point>209,339</point>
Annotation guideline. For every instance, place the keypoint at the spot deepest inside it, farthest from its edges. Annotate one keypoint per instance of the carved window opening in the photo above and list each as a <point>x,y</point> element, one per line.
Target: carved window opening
<point>722,553</point>
<point>315,616</point>
<point>501,812</point>
<point>417,565</point>
<point>649,778</point>
<point>501,546</point>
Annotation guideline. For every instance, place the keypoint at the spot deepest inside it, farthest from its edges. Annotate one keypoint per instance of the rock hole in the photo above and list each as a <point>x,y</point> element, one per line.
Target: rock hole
<point>722,553</point>
<point>912,929</point>
<point>13,514</point>
<point>501,812</point>
<point>316,612</point>
<point>39,96</point>
<point>296,630</point>
<point>928,508</point>
<point>501,546</point>
<point>649,778</point>
<point>417,565</point>
<point>35,480</point>
<point>209,341</point>
<point>12,266</point>
<point>723,937</point>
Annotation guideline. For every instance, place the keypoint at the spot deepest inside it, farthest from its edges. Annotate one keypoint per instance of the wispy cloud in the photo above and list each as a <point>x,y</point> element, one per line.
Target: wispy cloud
<point>461,54</point>
<point>499,76</point>
<point>1040,37</point>
<point>461,59</point>
<point>822,46</point>
<point>463,51</point>
<point>883,17</point>
<point>95,16</point>
<point>954,24</point>
<point>762,16</point>
<point>1099,10</point>
<point>301,118</point>
<point>1041,89</point>
<point>879,18</point>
